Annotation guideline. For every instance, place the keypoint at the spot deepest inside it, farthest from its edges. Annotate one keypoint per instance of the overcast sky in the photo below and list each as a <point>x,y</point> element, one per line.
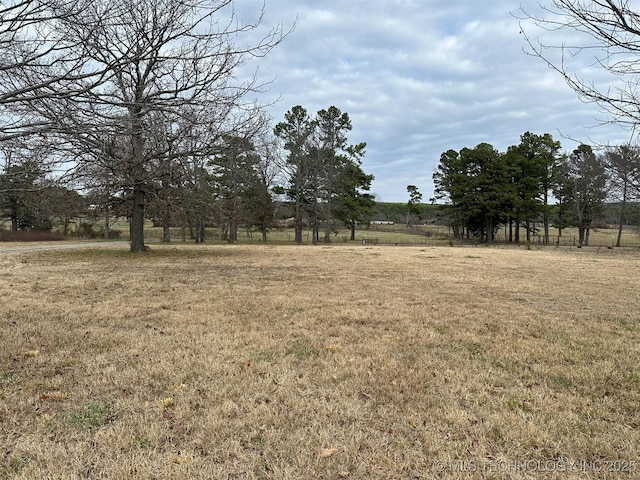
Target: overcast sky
<point>420,77</point>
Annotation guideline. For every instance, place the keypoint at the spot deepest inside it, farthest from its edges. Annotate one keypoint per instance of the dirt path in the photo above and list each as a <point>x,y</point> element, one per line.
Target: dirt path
<point>26,248</point>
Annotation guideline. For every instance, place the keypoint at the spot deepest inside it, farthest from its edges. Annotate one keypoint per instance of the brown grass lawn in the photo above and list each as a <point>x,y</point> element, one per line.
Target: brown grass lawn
<point>255,362</point>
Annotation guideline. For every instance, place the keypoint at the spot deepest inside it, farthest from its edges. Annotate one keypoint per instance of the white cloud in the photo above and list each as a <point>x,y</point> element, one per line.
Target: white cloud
<point>418,78</point>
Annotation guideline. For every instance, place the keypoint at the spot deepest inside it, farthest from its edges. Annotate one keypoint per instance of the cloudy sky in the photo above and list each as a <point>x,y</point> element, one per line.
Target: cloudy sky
<point>419,77</point>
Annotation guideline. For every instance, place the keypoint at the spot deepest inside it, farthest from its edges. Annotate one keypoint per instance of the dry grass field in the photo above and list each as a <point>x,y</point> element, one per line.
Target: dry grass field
<point>342,362</point>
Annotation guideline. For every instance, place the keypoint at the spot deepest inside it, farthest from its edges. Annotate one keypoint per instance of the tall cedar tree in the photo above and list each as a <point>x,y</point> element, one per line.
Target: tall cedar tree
<point>413,205</point>
<point>326,182</point>
<point>477,185</point>
<point>354,203</point>
<point>296,132</point>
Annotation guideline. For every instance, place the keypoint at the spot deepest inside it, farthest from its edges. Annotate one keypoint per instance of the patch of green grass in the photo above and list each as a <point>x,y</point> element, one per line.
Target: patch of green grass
<point>11,466</point>
<point>6,378</point>
<point>295,310</point>
<point>259,441</point>
<point>91,416</point>
<point>441,329</point>
<point>302,350</point>
<point>474,348</point>
<point>560,381</point>
<point>517,404</point>
<point>631,325</point>
<point>261,356</point>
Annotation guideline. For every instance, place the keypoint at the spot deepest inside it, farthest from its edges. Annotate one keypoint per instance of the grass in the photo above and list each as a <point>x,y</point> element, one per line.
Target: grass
<point>429,235</point>
<point>289,362</point>
<point>396,234</point>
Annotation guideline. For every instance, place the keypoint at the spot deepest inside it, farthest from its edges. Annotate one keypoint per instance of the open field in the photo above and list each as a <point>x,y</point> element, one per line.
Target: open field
<point>300,362</point>
<point>426,235</point>
<point>395,234</point>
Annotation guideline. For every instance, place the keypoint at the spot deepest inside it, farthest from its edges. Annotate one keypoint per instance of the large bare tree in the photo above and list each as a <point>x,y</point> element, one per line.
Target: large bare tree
<point>176,58</point>
<point>37,63</point>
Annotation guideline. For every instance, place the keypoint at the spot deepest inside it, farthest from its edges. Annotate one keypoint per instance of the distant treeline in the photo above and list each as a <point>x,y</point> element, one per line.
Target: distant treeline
<point>397,212</point>
<point>435,213</point>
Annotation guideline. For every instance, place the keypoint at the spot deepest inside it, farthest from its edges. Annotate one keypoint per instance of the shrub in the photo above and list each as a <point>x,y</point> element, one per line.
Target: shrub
<point>86,230</point>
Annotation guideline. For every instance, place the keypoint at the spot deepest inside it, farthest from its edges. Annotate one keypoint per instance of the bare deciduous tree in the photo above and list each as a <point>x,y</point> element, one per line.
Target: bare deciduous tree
<point>38,62</point>
<point>623,166</point>
<point>607,33</point>
<point>175,57</point>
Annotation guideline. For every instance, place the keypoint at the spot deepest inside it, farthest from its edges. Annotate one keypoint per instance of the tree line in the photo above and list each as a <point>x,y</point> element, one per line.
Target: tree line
<point>484,189</point>
<point>142,108</point>
<point>327,185</point>
<point>138,105</point>
<point>303,171</point>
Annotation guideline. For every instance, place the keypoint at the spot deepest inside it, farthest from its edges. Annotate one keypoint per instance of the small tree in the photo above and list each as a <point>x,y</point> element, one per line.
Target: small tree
<point>354,203</point>
<point>261,205</point>
<point>413,205</point>
<point>235,179</point>
<point>21,180</point>
<point>532,165</point>
<point>296,133</point>
<point>623,166</point>
<point>586,185</point>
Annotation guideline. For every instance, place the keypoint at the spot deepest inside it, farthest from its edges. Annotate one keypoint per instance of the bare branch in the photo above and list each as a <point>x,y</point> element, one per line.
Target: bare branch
<point>607,36</point>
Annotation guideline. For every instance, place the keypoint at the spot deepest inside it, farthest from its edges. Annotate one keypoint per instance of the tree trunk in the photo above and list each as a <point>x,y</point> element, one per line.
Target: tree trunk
<point>559,218</point>
<point>264,234</point>
<point>298,219</point>
<point>166,223</point>
<point>107,225</point>
<point>298,229</point>
<point>200,230</point>
<point>620,224</point>
<point>14,216</point>
<point>622,214</point>
<point>233,232</point>
<point>489,227</point>
<point>137,220</point>
<point>581,235</point>
<point>545,217</point>
<point>353,230</point>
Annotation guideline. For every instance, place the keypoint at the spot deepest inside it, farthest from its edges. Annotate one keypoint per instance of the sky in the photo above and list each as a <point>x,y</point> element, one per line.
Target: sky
<point>420,77</point>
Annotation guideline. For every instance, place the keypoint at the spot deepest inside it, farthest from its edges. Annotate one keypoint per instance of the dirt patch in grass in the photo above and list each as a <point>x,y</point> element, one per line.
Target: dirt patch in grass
<point>300,362</point>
